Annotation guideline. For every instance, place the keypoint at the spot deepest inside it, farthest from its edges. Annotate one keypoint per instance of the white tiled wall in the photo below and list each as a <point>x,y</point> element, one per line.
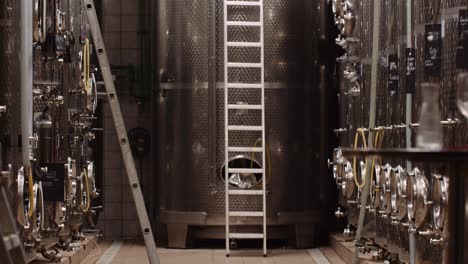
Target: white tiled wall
<point>120,31</point>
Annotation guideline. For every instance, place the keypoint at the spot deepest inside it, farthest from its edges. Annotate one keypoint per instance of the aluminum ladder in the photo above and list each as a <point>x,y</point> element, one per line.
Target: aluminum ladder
<point>240,8</point>
<point>121,132</point>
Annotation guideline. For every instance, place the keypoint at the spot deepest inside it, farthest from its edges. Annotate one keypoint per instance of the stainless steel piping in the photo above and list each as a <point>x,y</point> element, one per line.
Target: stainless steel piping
<point>373,101</point>
<point>26,72</point>
<point>212,107</point>
<point>409,119</point>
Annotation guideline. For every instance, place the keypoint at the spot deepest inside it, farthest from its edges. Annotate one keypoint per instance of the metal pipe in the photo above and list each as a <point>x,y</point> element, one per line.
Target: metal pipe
<point>409,96</point>
<point>26,72</point>
<point>373,104</point>
<point>212,117</point>
<point>409,118</point>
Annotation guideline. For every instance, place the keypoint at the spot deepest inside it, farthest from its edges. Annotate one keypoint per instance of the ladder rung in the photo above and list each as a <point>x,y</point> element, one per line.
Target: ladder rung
<point>244,65</point>
<point>244,44</point>
<point>245,192</point>
<point>245,106</point>
<point>245,85</point>
<point>244,23</point>
<point>245,128</point>
<point>246,214</point>
<point>246,171</point>
<point>246,235</point>
<point>242,3</point>
<point>244,149</point>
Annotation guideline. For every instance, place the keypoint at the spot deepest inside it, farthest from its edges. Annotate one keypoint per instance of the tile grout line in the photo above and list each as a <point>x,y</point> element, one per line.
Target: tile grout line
<point>110,253</point>
<point>318,256</point>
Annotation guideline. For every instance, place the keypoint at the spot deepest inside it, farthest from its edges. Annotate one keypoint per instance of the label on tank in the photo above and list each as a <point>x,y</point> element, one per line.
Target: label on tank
<point>462,46</point>
<point>433,49</point>
<point>53,182</point>
<point>393,74</point>
<point>462,22</point>
<point>410,71</point>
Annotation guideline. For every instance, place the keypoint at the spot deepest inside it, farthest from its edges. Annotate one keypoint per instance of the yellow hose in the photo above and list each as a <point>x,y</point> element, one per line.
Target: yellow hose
<point>360,131</point>
<point>86,66</point>
<point>31,192</point>
<point>268,159</point>
<point>88,195</point>
<point>378,141</point>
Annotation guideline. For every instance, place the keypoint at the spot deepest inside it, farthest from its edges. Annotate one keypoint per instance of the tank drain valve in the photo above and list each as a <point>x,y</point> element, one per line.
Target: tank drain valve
<point>339,213</point>
<point>370,209</point>
<point>375,256</point>
<point>347,232</point>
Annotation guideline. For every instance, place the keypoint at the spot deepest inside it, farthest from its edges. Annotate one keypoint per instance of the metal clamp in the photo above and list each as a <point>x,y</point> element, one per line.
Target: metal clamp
<point>436,241</point>
<point>450,122</point>
<point>402,126</point>
<point>375,129</point>
<point>426,233</point>
<point>340,130</point>
<point>414,125</point>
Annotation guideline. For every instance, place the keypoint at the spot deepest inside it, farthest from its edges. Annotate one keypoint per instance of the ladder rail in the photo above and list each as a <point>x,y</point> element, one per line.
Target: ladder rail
<point>226,124</point>
<point>244,128</point>
<point>262,58</point>
<point>119,123</point>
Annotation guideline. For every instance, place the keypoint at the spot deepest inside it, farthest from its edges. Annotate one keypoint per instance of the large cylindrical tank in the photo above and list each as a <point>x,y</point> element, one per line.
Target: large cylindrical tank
<point>191,187</point>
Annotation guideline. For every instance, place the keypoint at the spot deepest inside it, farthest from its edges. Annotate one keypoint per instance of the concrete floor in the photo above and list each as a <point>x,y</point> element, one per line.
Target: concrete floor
<point>135,252</point>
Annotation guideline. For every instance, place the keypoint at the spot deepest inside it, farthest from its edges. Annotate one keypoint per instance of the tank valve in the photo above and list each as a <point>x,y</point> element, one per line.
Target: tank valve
<point>339,213</point>
<point>375,256</point>
<point>348,232</point>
